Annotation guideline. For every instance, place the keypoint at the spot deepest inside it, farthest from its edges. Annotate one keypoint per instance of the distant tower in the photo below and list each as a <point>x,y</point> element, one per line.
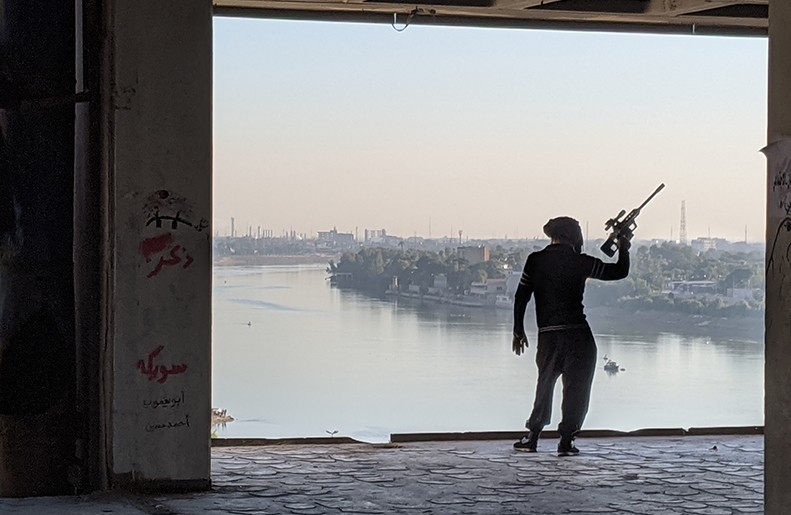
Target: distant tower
<point>682,233</point>
<point>460,233</point>
<point>232,228</point>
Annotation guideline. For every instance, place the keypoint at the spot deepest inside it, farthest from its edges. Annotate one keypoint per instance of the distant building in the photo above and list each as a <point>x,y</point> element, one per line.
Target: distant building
<point>704,244</point>
<point>336,238</point>
<point>474,255</point>
<point>707,290</point>
<point>478,290</point>
<point>495,286</point>
<point>489,289</point>
<point>375,234</point>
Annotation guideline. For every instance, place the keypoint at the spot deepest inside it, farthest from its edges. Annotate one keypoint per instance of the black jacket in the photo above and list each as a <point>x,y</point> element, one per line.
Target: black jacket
<point>556,276</point>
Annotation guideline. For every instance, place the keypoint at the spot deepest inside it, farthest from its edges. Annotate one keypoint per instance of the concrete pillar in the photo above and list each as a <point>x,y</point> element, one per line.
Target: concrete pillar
<point>158,185</point>
<point>778,265</point>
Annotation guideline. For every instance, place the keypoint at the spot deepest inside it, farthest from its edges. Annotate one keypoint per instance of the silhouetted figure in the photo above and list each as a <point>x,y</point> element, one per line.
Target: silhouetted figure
<point>556,276</point>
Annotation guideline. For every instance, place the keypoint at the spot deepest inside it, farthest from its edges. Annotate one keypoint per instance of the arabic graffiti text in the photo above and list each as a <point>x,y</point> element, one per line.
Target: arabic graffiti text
<point>155,372</point>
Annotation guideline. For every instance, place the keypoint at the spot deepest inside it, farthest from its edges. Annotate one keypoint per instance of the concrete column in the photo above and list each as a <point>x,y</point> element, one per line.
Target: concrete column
<point>778,265</point>
<point>158,165</point>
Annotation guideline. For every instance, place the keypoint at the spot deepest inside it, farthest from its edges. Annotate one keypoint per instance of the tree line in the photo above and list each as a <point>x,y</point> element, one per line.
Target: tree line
<point>372,269</point>
<point>655,267</point>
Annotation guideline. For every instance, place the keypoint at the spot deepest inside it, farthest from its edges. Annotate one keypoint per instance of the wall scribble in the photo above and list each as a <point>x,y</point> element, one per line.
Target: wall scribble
<point>158,373</point>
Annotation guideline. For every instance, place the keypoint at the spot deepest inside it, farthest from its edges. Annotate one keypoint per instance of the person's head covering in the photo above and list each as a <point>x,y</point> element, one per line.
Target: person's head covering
<point>565,230</point>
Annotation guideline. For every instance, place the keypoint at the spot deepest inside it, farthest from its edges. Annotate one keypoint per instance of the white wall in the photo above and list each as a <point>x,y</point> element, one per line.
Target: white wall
<point>159,316</point>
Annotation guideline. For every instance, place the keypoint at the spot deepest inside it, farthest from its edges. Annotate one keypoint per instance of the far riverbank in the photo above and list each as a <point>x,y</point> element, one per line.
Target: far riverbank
<point>603,319</point>
<point>609,320</point>
<point>274,260</point>
<point>616,320</point>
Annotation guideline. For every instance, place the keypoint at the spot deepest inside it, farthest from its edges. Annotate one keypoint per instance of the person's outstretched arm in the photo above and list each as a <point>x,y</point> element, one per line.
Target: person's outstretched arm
<point>612,271</point>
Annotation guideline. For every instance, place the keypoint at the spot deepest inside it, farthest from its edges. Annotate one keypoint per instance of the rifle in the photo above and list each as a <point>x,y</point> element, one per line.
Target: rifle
<point>624,227</point>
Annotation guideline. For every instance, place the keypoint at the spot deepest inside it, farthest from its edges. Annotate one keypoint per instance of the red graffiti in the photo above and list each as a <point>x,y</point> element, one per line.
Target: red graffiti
<point>159,245</point>
<point>160,373</point>
<point>155,245</point>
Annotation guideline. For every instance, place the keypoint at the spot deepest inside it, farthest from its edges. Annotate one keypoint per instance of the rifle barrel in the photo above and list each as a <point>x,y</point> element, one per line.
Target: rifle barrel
<point>651,196</point>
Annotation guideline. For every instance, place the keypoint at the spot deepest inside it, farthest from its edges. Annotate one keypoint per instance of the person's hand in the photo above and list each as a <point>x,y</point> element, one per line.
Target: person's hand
<point>624,243</point>
<point>519,343</point>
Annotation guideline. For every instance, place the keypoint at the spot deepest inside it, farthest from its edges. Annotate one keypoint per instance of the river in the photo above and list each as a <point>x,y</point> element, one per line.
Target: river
<point>294,356</point>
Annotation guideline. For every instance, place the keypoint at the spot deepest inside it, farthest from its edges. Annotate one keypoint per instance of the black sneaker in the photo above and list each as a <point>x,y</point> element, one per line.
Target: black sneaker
<point>567,448</point>
<point>526,444</point>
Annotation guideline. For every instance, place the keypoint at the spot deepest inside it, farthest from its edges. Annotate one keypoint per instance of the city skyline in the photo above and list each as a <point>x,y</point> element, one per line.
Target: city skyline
<point>259,231</point>
<point>491,131</point>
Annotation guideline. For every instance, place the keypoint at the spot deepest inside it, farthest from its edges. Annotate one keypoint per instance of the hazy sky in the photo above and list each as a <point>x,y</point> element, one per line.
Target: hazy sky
<point>491,131</point>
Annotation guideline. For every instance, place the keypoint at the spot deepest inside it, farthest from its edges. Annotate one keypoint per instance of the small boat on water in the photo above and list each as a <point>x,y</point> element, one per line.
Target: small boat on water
<point>611,366</point>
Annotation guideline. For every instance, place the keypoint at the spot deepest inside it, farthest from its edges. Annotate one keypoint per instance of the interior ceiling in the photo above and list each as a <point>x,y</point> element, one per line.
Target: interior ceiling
<point>726,17</point>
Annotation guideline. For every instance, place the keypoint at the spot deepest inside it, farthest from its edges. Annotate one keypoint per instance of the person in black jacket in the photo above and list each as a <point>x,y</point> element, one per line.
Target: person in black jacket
<point>556,277</point>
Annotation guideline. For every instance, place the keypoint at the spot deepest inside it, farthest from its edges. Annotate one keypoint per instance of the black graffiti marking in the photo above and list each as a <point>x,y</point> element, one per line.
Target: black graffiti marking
<point>165,402</point>
<point>784,224</point>
<point>782,180</point>
<point>175,220</point>
<point>185,422</point>
<point>160,206</point>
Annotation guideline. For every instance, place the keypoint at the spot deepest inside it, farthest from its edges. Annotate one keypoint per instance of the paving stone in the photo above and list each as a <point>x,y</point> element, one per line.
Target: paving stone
<point>713,511</point>
<point>631,476</point>
<point>755,509</point>
<point>592,509</point>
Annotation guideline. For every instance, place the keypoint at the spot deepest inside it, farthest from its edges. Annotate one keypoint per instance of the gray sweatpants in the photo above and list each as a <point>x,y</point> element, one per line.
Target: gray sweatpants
<point>570,354</point>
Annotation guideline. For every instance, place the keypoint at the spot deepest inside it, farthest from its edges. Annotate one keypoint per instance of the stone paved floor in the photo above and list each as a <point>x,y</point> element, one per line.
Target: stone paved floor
<point>683,475</point>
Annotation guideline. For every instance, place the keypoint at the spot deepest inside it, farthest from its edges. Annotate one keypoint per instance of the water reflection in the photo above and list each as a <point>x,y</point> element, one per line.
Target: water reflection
<point>340,361</point>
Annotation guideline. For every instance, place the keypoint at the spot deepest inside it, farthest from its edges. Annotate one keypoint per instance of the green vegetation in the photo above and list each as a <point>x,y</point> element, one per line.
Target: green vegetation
<point>654,270</point>
<point>373,269</point>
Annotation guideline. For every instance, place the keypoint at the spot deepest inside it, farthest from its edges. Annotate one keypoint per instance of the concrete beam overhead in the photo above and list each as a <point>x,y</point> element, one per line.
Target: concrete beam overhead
<point>683,7</point>
<point>492,16</point>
